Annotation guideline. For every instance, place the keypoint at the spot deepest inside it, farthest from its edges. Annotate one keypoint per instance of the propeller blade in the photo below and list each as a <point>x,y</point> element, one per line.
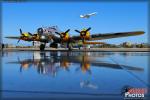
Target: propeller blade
<point>18,41</point>
<point>18,59</point>
<point>67,31</point>
<point>20,68</point>
<point>77,31</point>
<point>88,29</point>
<point>20,31</point>
<point>58,33</point>
<point>30,33</point>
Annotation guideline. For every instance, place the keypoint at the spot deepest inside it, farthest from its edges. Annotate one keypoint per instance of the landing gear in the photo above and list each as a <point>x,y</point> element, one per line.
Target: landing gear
<point>42,47</point>
<point>54,45</point>
<point>69,48</point>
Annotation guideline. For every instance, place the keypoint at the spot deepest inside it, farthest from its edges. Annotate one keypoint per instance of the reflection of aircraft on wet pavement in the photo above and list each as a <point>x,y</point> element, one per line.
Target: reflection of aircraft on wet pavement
<point>88,84</point>
<point>52,62</point>
<point>55,36</point>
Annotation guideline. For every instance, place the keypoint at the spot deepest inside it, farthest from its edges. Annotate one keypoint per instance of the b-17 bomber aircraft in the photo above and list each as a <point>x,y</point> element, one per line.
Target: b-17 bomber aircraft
<point>55,36</point>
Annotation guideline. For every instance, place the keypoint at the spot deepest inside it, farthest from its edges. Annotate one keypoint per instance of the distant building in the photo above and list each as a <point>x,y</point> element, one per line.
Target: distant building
<point>143,45</point>
<point>127,45</point>
<point>9,46</point>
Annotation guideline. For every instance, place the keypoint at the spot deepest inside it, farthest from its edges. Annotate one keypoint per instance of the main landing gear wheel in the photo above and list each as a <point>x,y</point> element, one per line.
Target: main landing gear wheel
<point>69,48</point>
<point>54,45</point>
<point>42,47</point>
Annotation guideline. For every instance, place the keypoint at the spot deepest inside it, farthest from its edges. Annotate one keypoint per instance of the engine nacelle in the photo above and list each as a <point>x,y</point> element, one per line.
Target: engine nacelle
<point>44,38</point>
<point>65,36</point>
<point>85,34</point>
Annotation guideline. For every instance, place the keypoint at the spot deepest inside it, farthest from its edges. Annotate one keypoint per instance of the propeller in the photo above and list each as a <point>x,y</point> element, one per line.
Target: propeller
<point>63,35</point>
<point>83,33</point>
<point>20,64</point>
<point>23,35</point>
<point>20,36</point>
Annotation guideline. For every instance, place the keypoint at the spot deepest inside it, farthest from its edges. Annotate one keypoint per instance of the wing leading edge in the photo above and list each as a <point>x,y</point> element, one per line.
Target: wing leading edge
<point>115,35</point>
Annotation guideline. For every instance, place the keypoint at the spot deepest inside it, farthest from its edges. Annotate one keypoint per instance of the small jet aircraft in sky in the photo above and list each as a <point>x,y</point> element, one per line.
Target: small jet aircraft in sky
<point>88,15</point>
<point>54,36</point>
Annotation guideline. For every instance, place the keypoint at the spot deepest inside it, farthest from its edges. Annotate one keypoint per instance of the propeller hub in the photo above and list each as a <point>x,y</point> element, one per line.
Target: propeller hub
<point>83,33</point>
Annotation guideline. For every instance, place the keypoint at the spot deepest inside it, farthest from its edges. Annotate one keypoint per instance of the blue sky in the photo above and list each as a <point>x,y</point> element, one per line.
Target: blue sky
<point>111,17</point>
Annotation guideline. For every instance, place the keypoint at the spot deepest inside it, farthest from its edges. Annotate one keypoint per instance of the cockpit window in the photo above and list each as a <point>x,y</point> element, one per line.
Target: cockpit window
<point>40,31</point>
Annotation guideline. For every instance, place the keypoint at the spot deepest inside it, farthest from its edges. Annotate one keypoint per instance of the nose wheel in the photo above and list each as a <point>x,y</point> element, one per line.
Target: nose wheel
<point>42,47</point>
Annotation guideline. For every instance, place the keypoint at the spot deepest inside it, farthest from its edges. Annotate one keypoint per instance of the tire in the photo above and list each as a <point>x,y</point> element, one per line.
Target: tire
<point>69,48</point>
<point>42,47</point>
<point>53,45</point>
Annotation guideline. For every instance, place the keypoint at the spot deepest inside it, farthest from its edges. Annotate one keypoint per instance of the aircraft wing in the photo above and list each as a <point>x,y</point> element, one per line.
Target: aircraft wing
<point>118,66</point>
<point>115,35</point>
<point>13,37</point>
<point>92,14</point>
<point>100,36</point>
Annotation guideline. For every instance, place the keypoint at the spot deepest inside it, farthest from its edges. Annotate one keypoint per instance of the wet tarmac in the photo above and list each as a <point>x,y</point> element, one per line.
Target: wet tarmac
<point>35,74</point>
